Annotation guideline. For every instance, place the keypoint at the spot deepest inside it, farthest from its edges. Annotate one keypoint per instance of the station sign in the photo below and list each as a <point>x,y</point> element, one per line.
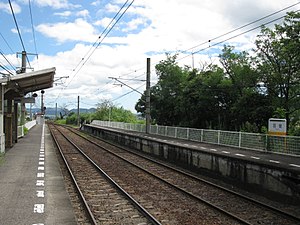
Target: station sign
<point>25,100</point>
<point>277,126</point>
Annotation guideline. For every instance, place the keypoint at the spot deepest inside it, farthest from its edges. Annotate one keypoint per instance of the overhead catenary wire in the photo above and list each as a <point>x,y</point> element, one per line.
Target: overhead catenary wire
<point>101,38</point>
<point>213,39</point>
<point>32,28</point>
<point>223,35</point>
<point>135,90</point>
<point>243,26</point>
<point>232,37</point>
<point>12,51</point>
<point>7,70</point>
<point>106,31</point>
<point>19,33</point>
<point>1,52</point>
<point>237,35</point>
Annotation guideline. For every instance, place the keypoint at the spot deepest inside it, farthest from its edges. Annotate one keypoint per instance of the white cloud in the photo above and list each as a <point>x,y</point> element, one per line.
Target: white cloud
<point>112,8</point>
<point>96,3</point>
<point>63,14</point>
<point>6,7</point>
<point>103,22</point>
<point>160,26</point>
<point>56,4</point>
<point>83,13</point>
<point>79,30</point>
<point>134,24</point>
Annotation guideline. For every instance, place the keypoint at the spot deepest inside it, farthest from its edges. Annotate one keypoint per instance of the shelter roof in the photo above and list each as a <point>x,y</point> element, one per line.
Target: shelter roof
<point>24,83</point>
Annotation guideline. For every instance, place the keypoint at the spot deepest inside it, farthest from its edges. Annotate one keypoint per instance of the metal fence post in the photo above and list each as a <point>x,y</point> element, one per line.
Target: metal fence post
<point>240,139</point>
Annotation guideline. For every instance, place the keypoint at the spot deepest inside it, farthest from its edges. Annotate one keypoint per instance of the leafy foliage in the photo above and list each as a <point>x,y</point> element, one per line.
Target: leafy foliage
<point>106,111</point>
<point>242,94</point>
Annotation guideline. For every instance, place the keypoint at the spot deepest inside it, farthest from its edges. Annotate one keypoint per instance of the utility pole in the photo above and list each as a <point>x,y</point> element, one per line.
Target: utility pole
<point>148,118</point>
<point>78,113</point>
<point>56,110</point>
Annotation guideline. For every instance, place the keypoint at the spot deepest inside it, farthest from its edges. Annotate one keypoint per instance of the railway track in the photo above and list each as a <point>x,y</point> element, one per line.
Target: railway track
<point>231,206</point>
<point>104,201</point>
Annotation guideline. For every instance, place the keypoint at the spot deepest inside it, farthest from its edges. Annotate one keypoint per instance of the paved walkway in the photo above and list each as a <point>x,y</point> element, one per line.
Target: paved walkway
<point>32,190</point>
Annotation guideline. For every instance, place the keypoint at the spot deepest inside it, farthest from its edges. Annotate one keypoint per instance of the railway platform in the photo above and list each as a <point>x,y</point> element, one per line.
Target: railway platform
<point>275,175</point>
<point>32,189</point>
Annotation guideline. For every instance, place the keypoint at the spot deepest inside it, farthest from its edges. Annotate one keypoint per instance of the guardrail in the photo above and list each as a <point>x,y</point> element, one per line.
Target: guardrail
<point>20,131</point>
<point>252,141</point>
<point>28,125</point>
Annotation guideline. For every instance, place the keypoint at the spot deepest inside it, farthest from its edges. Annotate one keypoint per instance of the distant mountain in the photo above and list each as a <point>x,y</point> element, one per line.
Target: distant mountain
<point>52,111</point>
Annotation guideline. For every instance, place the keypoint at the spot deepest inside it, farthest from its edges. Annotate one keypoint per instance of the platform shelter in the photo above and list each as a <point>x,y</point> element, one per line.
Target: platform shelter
<point>12,92</point>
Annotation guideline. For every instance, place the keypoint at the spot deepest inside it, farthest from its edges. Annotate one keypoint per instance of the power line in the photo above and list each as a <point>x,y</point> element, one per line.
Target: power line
<point>241,27</point>
<point>105,35</point>
<point>7,70</point>
<point>33,32</point>
<point>128,93</point>
<point>21,40</point>
<point>12,51</point>
<point>100,36</point>
<point>98,42</point>
<point>222,35</point>
<point>247,31</point>
<point>7,60</point>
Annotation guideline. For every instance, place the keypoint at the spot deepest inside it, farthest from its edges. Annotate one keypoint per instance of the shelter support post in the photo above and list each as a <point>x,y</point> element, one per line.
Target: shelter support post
<point>2,134</point>
<point>8,125</point>
<point>15,123</point>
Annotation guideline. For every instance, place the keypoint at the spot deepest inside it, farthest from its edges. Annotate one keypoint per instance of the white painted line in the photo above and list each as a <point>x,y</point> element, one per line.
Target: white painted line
<point>41,168</point>
<point>40,174</point>
<point>42,163</point>
<point>38,208</point>
<point>42,155</point>
<point>254,157</point>
<point>273,161</point>
<point>237,154</point>
<point>203,148</point>
<point>40,194</point>
<point>40,183</point>
<point>295,165</point>
<point>38,224</point>
<point>226,152</point>
<point>42,159</point>
<point>214,150</point>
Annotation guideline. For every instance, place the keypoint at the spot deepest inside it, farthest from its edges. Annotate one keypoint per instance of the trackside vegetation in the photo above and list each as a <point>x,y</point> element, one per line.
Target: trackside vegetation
<point>241,92</point>
<point>105,111</point>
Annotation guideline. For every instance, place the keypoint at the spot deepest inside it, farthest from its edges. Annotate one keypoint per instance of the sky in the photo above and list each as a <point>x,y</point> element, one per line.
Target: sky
<point>72,36</point>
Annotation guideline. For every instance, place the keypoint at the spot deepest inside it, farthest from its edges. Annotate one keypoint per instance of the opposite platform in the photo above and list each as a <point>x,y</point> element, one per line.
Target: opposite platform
<point>32,189</point>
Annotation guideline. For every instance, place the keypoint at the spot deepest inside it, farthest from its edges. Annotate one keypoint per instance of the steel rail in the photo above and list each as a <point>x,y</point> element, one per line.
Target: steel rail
<point>87,208</point>
<point>138,206</point>
<point>283,213</point>
<point>242,221</point>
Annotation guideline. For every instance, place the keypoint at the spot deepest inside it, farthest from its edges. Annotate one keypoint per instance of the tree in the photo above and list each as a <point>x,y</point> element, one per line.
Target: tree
<point>107,111</point>
<point>279,63</point>
<point>64,111</point>
<point>248,103</point>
